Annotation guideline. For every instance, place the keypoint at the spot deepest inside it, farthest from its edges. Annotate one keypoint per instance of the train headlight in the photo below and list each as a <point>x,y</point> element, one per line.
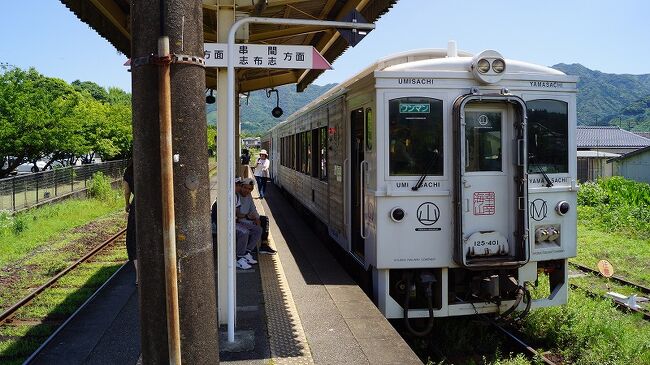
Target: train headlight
<point>488,67</point>
<point>562,208</point>
<point>498,66</point>
<point>483,65</point>
<point>397,214</point>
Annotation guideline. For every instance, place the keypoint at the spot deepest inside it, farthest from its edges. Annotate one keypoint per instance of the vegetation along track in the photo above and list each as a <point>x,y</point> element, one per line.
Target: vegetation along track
<point>29,322</point>
<point>636,287</point>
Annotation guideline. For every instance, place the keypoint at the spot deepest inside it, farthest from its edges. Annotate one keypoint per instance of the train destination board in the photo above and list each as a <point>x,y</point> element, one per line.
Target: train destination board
<point>265,56</point>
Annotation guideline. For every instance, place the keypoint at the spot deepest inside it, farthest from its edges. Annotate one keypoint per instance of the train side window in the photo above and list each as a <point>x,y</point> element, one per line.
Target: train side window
<point>548,136</point>
<point>315,142</point>
<point>483,138</point>
<point>416,136</point>
<point>306,157</point>
<point>294,155</point>
<point>322,153</point>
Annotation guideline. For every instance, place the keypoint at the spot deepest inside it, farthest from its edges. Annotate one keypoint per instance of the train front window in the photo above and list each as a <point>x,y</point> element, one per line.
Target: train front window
<point>482,141</point>
<point>416,136</point>
<point>548,136</point>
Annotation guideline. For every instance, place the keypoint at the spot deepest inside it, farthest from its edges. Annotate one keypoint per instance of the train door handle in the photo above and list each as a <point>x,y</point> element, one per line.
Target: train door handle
<point>466,205</point>
<point>362,190</point>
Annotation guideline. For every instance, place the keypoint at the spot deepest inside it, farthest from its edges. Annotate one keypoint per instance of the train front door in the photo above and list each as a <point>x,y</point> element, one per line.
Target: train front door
<point>356,183</point>
<point>491,193</point>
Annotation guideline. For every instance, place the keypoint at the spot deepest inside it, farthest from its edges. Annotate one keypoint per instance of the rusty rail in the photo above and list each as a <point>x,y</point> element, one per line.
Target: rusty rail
<point>9,312</point>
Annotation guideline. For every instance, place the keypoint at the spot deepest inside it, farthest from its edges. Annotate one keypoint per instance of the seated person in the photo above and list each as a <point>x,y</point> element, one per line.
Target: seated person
<point>248,213</point>
<point>246,235</point>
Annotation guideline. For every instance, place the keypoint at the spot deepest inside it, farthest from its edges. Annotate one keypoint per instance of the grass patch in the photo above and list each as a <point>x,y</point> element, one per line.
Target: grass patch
<point>55,302</point>
<point>591,331</point>
<point>630,256</point>
<point>41,330</point>
<point>89,276</point>
<point>26,231</point>
<point>112,255</point>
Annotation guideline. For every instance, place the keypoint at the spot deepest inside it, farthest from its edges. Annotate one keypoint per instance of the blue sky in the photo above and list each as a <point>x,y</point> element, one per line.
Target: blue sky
<point>609,36</point>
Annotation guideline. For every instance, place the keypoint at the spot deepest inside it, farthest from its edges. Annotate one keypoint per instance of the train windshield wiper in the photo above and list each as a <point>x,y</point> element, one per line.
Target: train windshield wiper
<point>426,170</point>
<point>549,183</point>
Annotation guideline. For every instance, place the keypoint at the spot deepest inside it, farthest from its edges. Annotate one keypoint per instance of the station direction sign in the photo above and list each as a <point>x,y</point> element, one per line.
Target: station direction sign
<point>265,56</point>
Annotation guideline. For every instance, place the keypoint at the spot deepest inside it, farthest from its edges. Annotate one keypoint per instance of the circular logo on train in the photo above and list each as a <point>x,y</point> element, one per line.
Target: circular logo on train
<point>483,120</point>
<point>428,213</point>
<point>538,209</point>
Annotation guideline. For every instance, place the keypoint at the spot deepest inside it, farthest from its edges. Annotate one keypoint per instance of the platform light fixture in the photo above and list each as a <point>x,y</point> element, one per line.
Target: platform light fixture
<point>277,111</point>
<point>210,99</point>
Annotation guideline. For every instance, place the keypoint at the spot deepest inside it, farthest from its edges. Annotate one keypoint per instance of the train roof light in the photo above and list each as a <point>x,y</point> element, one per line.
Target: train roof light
<point>483,65</point>
<point>498,65</point>
<point>488,67</point>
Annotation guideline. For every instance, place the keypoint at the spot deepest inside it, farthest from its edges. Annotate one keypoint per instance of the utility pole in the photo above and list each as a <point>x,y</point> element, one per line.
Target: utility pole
<point>182,22</point>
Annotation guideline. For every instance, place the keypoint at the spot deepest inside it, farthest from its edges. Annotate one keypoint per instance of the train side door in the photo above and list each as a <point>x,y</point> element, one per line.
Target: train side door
<point>492,197</point>
<point>357,174</point>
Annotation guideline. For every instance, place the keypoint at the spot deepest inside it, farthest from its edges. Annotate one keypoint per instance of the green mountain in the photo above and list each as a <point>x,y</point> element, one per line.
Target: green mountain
<point>611,99</point>
<point>256,111</point>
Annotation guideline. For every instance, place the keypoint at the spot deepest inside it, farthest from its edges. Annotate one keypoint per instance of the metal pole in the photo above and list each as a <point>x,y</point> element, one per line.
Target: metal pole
<point>230,131</point>
<point>13,192</point>
<point>169,229</point>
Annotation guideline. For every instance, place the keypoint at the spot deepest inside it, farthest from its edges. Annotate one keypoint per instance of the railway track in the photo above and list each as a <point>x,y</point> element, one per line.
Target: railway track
<point>32,318</point>
<point>526,348</point>
<point>637,287</point>
<point>618,279</point>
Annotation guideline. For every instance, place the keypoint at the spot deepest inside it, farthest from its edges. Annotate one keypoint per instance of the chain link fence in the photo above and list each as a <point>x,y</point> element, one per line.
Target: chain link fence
<point>24,191</point>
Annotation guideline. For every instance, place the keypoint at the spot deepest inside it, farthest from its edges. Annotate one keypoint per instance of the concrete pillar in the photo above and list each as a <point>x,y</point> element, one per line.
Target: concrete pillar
<point>183,21</point>
<point>226,18</point>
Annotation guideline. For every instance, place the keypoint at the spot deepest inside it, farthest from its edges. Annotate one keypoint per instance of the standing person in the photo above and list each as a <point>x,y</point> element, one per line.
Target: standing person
<point>262,172</point>
<point>129,207</point>
<point>245,160</point>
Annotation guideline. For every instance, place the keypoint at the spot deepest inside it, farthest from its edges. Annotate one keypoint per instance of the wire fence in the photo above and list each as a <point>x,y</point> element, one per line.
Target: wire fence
<point>24,191</point>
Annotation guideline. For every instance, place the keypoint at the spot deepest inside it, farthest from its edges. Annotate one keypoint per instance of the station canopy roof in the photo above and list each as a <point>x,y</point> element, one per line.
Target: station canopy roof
<point>110,18</point>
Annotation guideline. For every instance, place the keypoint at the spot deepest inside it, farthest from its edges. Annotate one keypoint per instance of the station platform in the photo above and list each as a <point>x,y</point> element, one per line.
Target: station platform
<point>296,307</point>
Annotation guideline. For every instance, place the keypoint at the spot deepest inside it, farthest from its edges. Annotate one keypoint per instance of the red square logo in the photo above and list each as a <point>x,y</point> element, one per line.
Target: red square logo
<point>484,203</point>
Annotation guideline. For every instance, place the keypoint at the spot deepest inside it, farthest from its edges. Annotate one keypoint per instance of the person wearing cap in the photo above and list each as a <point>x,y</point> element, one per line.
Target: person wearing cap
<point>243,234</point>
<point>246,212</point>
<point>248,225</point>
<point>261,172</point>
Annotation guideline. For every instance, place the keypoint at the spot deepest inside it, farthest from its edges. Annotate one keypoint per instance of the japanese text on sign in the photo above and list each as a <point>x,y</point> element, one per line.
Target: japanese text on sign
<point>265,56</point>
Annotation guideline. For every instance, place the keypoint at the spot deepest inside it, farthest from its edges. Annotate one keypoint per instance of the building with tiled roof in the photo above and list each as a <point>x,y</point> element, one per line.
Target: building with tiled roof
<point>597,144</point>
<point>609,139</point>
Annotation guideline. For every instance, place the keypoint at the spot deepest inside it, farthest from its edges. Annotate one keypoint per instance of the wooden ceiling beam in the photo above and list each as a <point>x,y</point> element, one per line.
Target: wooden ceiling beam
<point>267,81</point>
<point>114,14</point>
<point>326,43</point>
<point>283,33</point>
<point>270,4</point>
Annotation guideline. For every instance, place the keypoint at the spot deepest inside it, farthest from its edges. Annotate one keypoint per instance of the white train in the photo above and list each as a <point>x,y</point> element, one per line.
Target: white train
<point>450,177</point>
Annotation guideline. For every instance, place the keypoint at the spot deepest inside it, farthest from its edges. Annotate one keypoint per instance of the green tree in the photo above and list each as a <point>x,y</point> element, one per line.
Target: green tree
<point>97,92</point>
<point>212,136</point>
<point>44,117</point>
<point>34,112</point>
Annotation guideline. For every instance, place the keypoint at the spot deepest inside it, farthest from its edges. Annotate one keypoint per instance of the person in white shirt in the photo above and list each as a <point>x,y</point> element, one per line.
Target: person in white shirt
<point>262,172</point>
